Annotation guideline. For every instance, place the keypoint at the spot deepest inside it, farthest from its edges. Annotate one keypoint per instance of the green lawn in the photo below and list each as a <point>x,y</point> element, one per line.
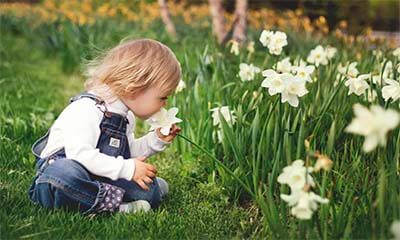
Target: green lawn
<point>33,92</point>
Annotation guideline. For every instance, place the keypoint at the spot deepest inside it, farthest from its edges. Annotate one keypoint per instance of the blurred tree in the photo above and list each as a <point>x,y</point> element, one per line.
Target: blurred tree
<point>166,18</point>
<point>218,21</point>
<point>240,27</point>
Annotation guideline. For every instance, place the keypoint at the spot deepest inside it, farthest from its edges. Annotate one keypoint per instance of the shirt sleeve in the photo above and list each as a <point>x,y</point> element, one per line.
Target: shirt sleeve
<point>146,145</point>
<point>81,134</point>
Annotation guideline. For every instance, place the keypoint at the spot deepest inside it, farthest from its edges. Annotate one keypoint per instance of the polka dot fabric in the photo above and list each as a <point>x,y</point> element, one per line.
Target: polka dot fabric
<point>112,198</point>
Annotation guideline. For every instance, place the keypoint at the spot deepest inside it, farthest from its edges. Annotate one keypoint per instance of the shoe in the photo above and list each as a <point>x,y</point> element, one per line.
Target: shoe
<point>135,206</point>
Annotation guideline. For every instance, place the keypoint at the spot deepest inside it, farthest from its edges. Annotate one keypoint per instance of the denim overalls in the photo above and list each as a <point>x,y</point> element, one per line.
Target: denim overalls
<point>65,183</point>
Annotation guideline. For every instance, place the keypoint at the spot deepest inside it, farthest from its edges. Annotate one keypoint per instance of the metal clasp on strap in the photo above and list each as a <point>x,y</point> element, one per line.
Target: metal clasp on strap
<point>40,144</point>
<point>100,103</point>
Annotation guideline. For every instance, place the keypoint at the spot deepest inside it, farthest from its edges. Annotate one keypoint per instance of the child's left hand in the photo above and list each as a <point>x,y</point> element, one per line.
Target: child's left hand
<point>172,133</point>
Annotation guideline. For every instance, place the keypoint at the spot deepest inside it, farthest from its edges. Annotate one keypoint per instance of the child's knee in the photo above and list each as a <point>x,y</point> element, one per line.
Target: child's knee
<point>64,183</point>
<point>163,185</point>
<point>66,171</point>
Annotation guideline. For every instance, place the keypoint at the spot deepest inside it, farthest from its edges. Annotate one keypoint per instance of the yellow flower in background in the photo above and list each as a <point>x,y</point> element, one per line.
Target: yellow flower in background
<point>234,47</point>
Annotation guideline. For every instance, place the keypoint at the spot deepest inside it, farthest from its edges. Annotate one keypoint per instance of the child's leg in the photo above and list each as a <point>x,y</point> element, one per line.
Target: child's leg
<point>133,192</point>
<point>67,184</point>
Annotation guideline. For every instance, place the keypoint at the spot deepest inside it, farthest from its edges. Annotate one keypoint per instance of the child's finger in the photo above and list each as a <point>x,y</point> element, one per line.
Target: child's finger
<point>176,130</point>
<point>152,168</point>
<point>143,185</point>
<point>142,158</point>
<point>148,180</point>
<point>151,174</point>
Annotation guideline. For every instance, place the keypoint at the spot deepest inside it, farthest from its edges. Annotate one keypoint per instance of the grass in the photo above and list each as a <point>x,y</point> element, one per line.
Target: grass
<point>34,92</point>
<point>268,135</point>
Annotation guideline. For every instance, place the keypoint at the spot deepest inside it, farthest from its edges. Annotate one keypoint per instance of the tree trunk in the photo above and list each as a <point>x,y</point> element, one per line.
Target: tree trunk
<point>218,21</point>
<point>166,18</point>
<point>240,28</point>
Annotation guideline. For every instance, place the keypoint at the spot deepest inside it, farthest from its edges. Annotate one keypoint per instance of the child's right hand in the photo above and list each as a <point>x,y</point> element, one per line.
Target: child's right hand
<point>143,172</point>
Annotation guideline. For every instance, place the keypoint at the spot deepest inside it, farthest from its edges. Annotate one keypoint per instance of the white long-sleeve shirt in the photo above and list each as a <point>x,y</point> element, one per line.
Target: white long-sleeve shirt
<point>77,130</point>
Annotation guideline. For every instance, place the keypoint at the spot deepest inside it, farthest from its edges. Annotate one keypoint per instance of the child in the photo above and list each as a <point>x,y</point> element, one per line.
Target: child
<point>89,159</point>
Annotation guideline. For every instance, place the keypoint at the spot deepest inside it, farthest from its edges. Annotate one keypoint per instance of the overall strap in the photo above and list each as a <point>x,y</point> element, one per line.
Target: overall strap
<point>99,102</point>
<point>97,99</point>
<point>41,143</point>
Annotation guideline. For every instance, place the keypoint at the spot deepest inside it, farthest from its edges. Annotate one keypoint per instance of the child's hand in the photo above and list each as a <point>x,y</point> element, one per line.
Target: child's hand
<point>172,133</point>
<point>143,173</point>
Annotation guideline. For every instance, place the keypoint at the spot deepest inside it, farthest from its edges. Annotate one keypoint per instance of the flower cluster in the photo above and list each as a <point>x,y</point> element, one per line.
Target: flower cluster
<point>248,72</point>
<point>302,200</point>
<point>275,41</point>
<point>320,55</point>
<point>289,86</point>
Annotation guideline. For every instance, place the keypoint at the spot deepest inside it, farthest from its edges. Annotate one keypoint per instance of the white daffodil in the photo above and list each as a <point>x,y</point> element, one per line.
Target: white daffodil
<point>226,113</point>
<point>318,56</point>
<point>305,203</point>
<point>357,85</point>
<point>396,53</point>
<point>265,37</point>
<point>278,41</point>
<point>330,52</point>
<point>294,88</point>
<point>274,41</point>
<point>219,135</point>
<point>234,47</point>
<point>384,72</point>
<point>288,85</point>
<point>295,175</point>
<point>164,119</point>
<point>373,124</point>
<point>299,63</point>
<point>388,71</point>
<point>392,90</point>
<point>349,69</point>
<point>304,72</point>
<point>181,86</point>
<point>284,66</point>
<point>395,228</point>
<point>273,82</point>
<point>208,59</point>
<point>371,95</point>
<point>247,72</point>
<point>377,53</point>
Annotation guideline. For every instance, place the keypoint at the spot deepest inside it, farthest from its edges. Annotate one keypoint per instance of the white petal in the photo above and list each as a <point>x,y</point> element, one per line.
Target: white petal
<point>165,130</point>
<point>370,143</point>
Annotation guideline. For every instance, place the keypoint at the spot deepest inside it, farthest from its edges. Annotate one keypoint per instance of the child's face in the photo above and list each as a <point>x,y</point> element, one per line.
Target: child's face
<point>146,103</point>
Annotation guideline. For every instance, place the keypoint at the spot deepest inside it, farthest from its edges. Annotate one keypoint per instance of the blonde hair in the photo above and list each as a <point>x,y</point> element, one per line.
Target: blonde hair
<point>132,67</point>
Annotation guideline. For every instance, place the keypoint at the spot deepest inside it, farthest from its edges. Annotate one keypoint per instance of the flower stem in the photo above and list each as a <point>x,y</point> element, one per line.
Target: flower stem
<point>219,163</point>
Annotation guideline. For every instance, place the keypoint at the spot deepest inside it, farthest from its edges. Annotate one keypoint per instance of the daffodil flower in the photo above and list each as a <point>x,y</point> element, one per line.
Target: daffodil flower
<point>248,72</point>
<point>296,175</point>
<point>284,66</point>
<point>391,90</point>
<point>373,124</point>
<point>357,85</point>
<point>164,119</point>
<point>318,56</point>
<point>289,86</point>
<point>274,41</point>
<point>304,203</point>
